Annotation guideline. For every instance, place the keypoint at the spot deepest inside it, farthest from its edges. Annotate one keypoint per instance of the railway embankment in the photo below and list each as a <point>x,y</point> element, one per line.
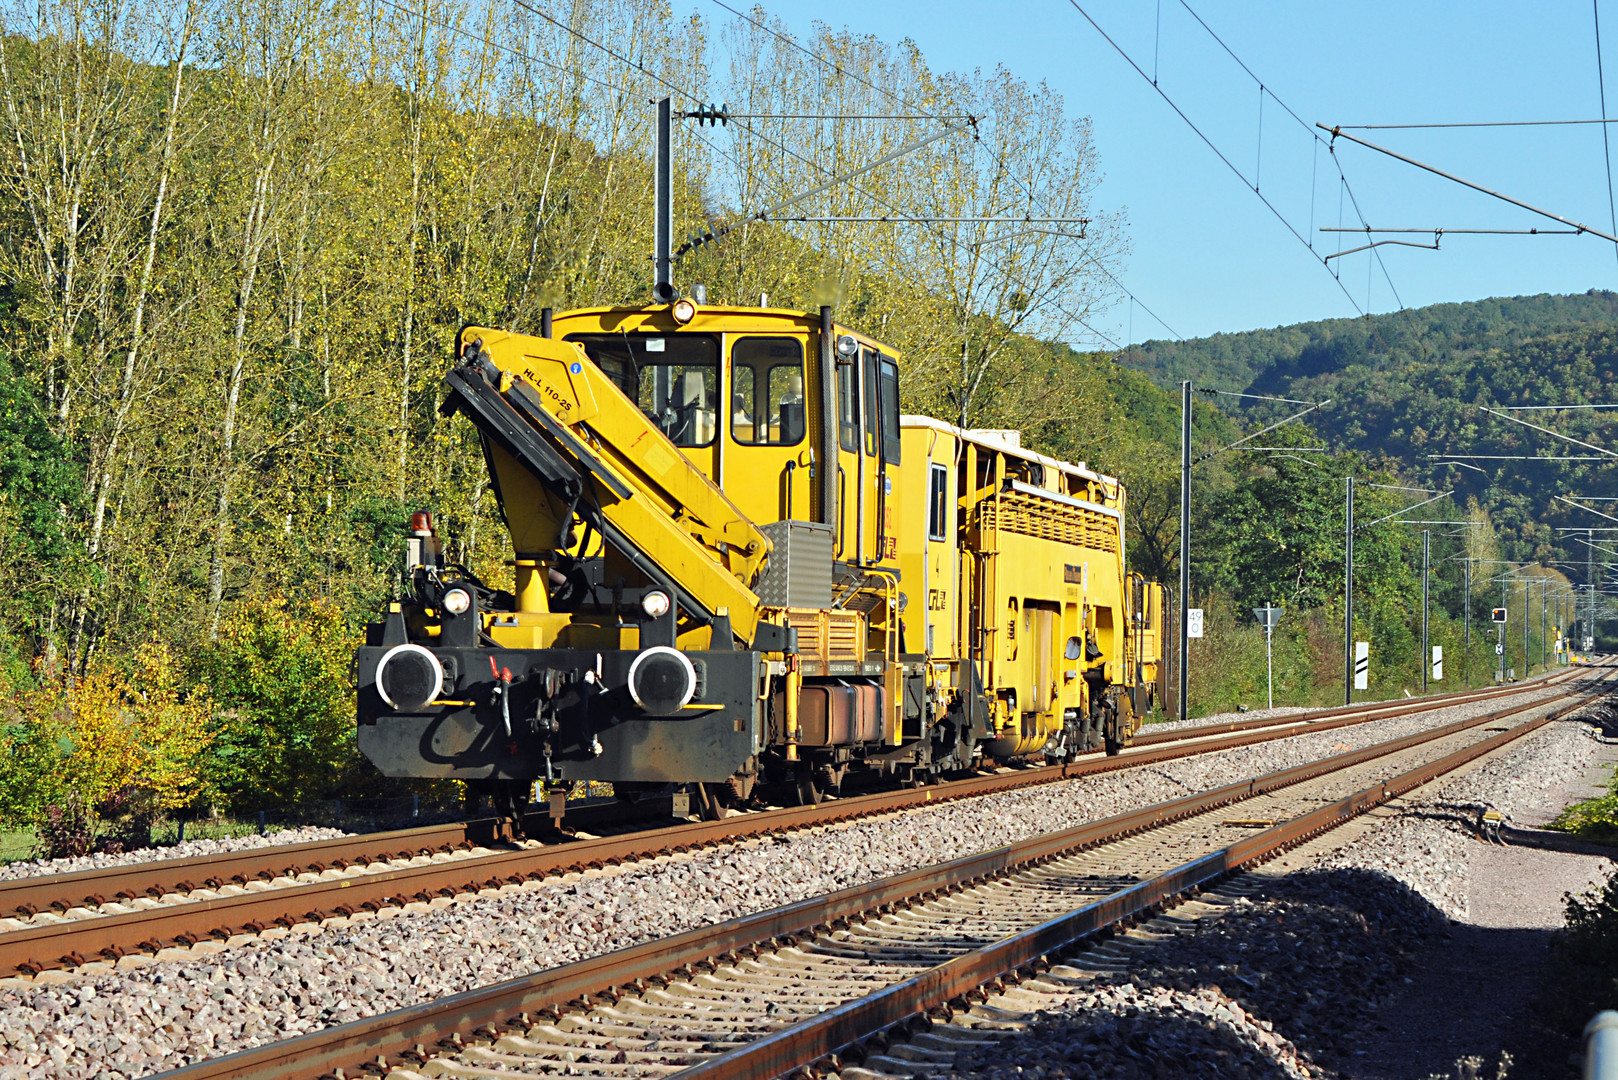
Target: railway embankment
<point>1404,946</point>
<point>158,1015</point>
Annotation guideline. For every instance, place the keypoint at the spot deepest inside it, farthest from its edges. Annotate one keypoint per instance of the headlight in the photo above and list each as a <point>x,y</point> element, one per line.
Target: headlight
<point>662,681</point>
<point>655,604</point>
<point>684,311</point>
<point>408,677</point>
<point>456,601</point>
<point>847,346</point>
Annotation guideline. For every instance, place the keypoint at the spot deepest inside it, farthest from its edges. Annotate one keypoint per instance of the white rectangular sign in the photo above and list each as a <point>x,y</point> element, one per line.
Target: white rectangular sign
<point>1362,664</point>
<point>1438,663</point>
<point>1193,622</point>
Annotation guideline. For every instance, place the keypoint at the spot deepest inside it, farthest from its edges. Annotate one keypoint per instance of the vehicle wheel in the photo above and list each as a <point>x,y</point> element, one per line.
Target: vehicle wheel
<point>712,802</point>
<point>1112,735</point>
<point>509,799</point>
<point>829,779</point>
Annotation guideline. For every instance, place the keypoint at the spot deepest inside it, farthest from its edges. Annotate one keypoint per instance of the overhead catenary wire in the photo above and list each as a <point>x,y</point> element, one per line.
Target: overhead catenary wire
<point>1304,124</point>
<point>1265,430</point>
<point>677,88</point>
<point>1523,457</point>
<point>726,114</point>
<point>1220,154</point>
<point>1338,132</point>
<point>1548,431</point>
<point>1543,408</point>
<point>1406,510</point>
<point>414,13</point>
<point>1606,142</point>
<point>1458,232</point>
<point>1587,509</point>
<point>918,219</point>
<point>904,102</point>
<point>909,147</point>
<point>1469,124</point>
<point>1254,397</point>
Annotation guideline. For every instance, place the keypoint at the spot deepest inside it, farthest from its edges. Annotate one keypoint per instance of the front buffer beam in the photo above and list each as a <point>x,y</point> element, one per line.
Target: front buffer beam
<point>571,717</point>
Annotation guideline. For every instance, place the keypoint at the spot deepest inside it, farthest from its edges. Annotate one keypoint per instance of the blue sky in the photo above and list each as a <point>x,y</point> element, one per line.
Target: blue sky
<point>1207,256</point>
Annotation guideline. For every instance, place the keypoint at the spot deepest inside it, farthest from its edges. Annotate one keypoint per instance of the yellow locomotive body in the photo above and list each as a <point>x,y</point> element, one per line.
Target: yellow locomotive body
<point>735,561</point>
<point>1020,559</point>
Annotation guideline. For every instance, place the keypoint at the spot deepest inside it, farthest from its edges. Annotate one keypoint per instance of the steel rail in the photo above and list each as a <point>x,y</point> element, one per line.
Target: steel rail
<point>450,1023</point>
<point>802,1044</point>
<point>109,937</point>
<point>157,877</point>
<point>1380,708</point>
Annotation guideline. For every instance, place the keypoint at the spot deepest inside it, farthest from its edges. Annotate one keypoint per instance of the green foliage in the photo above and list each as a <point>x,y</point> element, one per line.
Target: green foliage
<point>1592,819</point>
<point>280,675</point>
<point>41,494</point>
<point>127,738</point>
<point>1261,360</point>
<point>1583,974</point>
<point>1408,387</point>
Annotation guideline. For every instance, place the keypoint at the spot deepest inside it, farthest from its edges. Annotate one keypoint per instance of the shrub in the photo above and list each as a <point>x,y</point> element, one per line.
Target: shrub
<point>1583,975</point>
<point>1593,819</point>
<point>280,673</point>
<point>65,831</point>
<point>140,734</point>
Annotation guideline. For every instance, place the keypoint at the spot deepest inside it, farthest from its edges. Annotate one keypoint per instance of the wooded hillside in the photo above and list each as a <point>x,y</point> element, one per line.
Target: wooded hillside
<point>237,237</point>
<point>1410,386</point>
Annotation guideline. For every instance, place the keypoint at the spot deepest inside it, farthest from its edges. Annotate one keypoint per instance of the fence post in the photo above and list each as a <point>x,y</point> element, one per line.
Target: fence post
<point>261,823</point>
<point>181,838</point>
<point>337,812</point>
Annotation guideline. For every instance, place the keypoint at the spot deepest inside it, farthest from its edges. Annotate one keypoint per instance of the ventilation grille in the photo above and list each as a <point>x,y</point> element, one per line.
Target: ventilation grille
<point>829,636</point>
<point>1027,515</point>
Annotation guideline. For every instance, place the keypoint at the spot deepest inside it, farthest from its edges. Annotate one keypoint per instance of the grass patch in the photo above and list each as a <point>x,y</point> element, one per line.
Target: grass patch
<point>16,845</point>
<point>1593,819</point>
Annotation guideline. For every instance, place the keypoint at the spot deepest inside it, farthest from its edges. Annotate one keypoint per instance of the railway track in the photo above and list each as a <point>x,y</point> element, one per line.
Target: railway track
<point>893,977</point>
<point>68,921</point>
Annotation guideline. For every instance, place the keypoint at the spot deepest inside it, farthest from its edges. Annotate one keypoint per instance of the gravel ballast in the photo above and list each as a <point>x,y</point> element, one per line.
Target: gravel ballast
<point>1270,990</point>
<point>1412,951</point>
<point>98,861</point>
<point>1427,844</point>
<point>156,1017</point>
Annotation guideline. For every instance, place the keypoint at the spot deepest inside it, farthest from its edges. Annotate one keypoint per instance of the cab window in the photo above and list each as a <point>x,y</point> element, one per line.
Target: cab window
<point>888,395</point>
<point>674,378</point>
<point>937,503</point>
<point>848,406</point>
<point>873,427</point>
<point>766,380</point>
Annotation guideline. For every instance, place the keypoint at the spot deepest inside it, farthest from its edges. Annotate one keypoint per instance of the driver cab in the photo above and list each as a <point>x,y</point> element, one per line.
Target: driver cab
<point>741,393</point>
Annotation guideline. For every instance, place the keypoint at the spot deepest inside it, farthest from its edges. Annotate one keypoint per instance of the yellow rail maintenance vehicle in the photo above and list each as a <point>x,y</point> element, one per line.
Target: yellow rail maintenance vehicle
<point>736,563</point>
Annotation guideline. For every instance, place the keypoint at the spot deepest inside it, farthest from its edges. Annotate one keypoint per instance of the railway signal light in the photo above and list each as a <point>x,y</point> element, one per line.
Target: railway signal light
<point>1499,614</point>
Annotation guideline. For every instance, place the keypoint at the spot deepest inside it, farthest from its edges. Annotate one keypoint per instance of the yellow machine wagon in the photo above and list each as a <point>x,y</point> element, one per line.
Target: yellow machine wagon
<point>735,562</point>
